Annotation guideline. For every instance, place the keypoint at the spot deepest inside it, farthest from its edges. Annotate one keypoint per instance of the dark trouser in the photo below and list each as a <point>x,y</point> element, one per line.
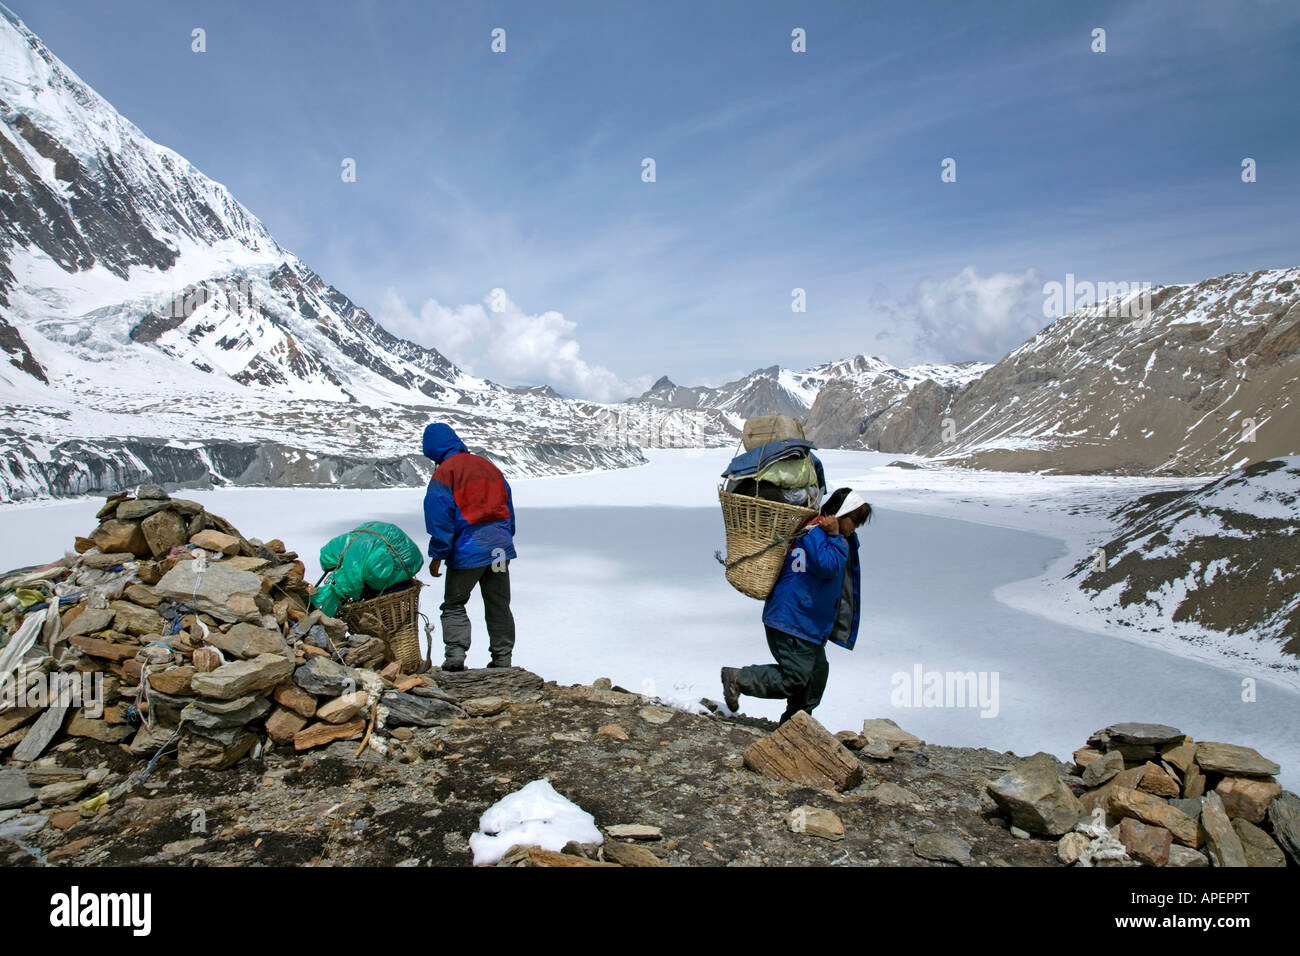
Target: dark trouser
<point>495,588</point>
<point>799,674</point>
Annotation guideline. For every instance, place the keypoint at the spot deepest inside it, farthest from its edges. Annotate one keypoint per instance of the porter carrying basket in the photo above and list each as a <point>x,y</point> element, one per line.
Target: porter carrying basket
<point>398,612</point>
<point>758,533</point>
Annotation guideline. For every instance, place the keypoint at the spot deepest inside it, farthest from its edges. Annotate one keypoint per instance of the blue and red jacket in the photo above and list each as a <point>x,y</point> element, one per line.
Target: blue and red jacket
<point>468,509</point>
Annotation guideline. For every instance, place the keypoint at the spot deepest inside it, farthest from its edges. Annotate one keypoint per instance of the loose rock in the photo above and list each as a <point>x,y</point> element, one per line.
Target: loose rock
<point>1221,840</point>
<point>242,677</point>
<point>1246,798</point>
<point>1146,844</point>
<point>815,821</point>
<point>1258,846</point>
<point>1234,760</point>
<point>1036,799</point>
<point>947,849</point>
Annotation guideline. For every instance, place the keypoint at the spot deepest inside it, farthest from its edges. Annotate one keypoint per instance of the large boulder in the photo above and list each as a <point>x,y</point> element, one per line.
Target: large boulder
<point>325,676</point>
<point>225,593</point>
<point>1145,843</point>
<point>239,678</point>
<point>140,509</point>
<point>1035,798</point>
<point>92,620</point>
<point>1258,846</point>
<point>418,711</point>
<point>163,531</point>
<point>1138,742</point>
<point>247,641</point>
<point>1233,759</point>
<point>216,541</point>
<point>1247,798</point>
<point>1148,808</point>
<point>342,709</point>
<point>1221,840</point>
<point>294,698</point>
<point>95,729</point>
<point>209,715</point>
<point>165,709</point>
<point>1284,818</point>
<point>283,724</point>
<point>885,730</point>
<point>208,753</point>
<point>120,536</point>
<point>1101,769</point>
<point>137,621</point>
<point>14,789</point>
<point>174,680</point>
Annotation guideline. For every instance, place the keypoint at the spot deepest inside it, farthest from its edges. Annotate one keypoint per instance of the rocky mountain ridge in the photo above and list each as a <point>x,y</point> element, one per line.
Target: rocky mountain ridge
<point>139,300</point>
<point>1224,557</point>
<point>844,404</point>
<point>1188,380</point>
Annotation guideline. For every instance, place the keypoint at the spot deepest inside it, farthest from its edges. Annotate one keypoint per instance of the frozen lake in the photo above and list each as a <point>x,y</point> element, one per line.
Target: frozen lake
<point>616,578</point>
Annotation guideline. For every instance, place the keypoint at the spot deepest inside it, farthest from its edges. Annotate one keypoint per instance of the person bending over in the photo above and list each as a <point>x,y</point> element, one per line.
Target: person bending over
<point>816,599</point>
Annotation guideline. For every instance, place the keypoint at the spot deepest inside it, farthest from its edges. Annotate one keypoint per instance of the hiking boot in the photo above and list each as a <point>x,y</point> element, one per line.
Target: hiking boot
<point>499,664</point>
<point>453,666</point>
<point>731,688</point>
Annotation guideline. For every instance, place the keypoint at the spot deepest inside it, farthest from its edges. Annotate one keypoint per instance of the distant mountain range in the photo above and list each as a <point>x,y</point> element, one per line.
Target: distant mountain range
<point>154,329</point>
<point>1200,380</point>
<point>1183,380</point>
<point>844,404</point>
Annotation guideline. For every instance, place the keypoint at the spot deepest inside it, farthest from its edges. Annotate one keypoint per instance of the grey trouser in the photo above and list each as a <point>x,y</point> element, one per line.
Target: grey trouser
<point>495,588</point>
<point>799,674</point>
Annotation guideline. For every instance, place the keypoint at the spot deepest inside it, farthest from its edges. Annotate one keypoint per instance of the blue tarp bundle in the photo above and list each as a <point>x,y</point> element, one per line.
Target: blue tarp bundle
<point>756,459</point>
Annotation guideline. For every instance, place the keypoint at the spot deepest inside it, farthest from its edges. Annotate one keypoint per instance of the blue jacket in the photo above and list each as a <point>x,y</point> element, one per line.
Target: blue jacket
<point>469,511</point>
<point>807,593</point>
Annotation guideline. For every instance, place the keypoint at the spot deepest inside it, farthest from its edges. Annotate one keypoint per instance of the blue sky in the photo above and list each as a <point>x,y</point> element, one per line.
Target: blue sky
<point>775,170</point>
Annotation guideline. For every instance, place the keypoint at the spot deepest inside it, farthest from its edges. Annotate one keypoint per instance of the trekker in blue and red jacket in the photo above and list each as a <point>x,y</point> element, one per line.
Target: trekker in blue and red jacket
<point>470,516</point>
<point>816,599</point>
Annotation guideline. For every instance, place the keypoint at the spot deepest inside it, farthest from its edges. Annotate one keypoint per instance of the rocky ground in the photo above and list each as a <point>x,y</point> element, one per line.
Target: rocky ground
<point>618,755</point>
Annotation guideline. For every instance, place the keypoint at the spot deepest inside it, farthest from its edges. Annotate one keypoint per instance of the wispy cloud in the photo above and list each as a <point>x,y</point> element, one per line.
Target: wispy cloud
<point>498,340</point>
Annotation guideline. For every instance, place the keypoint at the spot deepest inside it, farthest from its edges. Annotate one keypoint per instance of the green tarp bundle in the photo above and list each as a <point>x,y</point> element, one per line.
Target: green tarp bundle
<point>791,473</point>
<point>375,555</point>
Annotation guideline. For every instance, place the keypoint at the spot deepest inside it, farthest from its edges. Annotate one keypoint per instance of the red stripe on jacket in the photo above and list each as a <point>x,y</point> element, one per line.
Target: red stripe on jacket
<point>477,486</point>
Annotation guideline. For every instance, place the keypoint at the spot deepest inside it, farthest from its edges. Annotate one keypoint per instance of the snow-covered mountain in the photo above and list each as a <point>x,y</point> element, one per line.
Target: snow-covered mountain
<point>868,403</point>
<point>766,391</point>
<point>1200,379</point>
<point>833,398</point>
<point>1222,558</point>
<point>141,305</point>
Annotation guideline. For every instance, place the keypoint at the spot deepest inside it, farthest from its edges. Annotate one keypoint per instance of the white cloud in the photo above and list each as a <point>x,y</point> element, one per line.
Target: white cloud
<point>962,317</point>
<point>500,341</point>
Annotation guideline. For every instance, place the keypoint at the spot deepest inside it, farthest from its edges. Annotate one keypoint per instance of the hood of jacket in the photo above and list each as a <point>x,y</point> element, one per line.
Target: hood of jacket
<point>441,442</point>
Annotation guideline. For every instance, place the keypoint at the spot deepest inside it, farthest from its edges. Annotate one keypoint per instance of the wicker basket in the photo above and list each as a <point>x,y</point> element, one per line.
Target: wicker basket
<point>758,532</point>
<point>399,613</point>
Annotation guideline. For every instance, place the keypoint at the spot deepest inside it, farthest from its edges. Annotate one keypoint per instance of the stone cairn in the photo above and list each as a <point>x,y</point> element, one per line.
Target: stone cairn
<point>169,632</point>
<point>1149,795</point>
